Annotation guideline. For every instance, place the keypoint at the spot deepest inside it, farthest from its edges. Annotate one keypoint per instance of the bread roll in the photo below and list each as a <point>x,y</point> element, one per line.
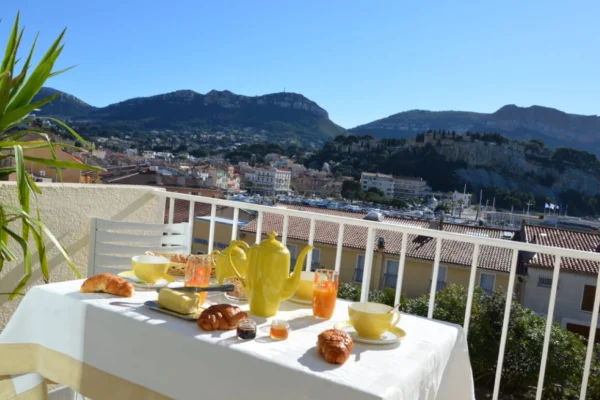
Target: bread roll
<point>335,346</point>
<point>221,317</point>
<point>108,283</point>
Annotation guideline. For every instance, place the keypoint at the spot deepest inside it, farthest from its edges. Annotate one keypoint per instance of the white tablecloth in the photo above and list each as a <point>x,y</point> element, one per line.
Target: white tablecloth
<point>175,358</point>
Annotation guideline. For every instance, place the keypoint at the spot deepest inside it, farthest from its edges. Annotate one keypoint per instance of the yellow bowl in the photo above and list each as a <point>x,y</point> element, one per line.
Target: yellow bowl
<point>371,320</point>
<point>150,269</point>
<point>305,289</point>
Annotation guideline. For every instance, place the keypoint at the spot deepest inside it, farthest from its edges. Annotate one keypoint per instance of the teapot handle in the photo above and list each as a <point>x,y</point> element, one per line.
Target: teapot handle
<point>245,246</point>
<point>240,243</point>
<point>214,258</point>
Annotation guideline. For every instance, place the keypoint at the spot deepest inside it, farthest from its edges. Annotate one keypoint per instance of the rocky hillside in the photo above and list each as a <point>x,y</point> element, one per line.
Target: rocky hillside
<point>515,166</point>
<point>553,127</point>
<point>281,113</point>
<point>482,161</point>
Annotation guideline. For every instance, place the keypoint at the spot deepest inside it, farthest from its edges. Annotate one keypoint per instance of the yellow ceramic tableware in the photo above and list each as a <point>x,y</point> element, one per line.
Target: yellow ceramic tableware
<point>223,267</point>
<point>268,280</point>
<point>150,269</point>
<point>371,320</point>
<point>305,289</point>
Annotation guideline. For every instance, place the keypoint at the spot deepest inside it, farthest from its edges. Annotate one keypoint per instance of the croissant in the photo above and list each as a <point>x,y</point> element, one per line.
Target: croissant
<point>222,317</point>
<point>335,346</point>
<point>108,283</point>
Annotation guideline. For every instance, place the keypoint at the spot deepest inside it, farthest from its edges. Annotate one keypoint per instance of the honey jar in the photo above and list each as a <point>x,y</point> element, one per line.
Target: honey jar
<point>279,330</point>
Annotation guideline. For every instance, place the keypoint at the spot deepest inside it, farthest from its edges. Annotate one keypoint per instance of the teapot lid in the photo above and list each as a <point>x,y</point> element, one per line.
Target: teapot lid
<point>272,240</point>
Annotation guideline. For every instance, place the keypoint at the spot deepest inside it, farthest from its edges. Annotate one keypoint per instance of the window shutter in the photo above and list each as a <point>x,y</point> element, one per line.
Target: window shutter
<point>587,303</point>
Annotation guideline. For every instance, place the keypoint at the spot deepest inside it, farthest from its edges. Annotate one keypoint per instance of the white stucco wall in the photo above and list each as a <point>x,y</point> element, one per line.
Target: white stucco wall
<point>66,209</point>
<point>568,296</point>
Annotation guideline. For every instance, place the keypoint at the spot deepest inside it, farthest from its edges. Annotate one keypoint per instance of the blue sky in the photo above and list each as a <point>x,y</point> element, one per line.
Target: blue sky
<point>360,60</point>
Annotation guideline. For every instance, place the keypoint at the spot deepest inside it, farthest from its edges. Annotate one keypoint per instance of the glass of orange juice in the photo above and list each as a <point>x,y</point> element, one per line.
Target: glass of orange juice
<point>325,291</point>
<point>197,273</point>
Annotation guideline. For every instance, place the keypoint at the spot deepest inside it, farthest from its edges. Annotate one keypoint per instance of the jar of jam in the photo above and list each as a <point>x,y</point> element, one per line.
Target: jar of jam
<point>246,329</point>
<point>279,330</point>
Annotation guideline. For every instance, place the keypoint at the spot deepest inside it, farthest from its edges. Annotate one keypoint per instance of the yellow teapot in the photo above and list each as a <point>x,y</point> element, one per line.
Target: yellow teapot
<point>268,280</point>
<point>223,265</point>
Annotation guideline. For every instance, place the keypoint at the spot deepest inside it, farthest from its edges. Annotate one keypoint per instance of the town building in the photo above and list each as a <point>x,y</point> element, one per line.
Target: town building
<point>268,181</point>
<point>316,183</point>
<point>383,182</point>
<point>398,187</point>
<point>407,188</point>
<point>577,279</point>
<point>67,175</point>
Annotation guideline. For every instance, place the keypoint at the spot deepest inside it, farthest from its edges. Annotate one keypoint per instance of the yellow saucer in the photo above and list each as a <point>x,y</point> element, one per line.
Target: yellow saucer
<point>296,300</point>
<point>391,336</point>
<point>130,276</point>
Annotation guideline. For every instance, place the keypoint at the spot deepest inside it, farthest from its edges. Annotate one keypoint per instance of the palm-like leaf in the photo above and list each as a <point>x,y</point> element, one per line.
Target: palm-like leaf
<point>17,91</point>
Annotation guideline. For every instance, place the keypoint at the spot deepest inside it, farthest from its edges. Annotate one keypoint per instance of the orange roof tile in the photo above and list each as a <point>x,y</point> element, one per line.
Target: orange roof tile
<point>182,209</point>
<point>555,237</point>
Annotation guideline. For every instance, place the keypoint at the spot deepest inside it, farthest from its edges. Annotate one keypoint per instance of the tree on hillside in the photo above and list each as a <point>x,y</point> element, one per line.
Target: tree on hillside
<point>376,191</point>
<point>198,153</point>
<point>352,190</point>
<point>578,158</point>
<point>537,142</point>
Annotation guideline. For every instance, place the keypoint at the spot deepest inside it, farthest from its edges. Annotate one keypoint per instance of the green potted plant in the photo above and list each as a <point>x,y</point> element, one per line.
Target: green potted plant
<point>18,88</point>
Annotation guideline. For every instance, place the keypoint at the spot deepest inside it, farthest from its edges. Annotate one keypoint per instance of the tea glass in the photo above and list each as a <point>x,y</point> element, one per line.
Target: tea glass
<point>325,290</point>
<point>197,272</point>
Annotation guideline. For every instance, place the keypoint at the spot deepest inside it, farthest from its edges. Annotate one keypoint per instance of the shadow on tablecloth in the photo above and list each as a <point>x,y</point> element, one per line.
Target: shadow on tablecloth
<point>313,361</point>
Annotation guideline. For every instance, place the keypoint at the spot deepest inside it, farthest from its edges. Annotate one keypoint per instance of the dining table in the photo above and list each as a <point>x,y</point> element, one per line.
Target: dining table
<point>108,347</point>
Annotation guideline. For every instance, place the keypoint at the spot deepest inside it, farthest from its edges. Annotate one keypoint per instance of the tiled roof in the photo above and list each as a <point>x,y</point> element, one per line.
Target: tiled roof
<point>182,209</point>
<point>554,237</point>
<point>420,247</point>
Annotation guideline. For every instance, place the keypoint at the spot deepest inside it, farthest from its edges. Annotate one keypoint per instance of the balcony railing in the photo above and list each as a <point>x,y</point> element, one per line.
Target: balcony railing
<point>439,236</point>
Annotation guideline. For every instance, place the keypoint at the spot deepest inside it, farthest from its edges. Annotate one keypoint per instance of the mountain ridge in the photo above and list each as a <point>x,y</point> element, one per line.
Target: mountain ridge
<point>279,113</point>
<point>554,127</point>
<point>286,114</point>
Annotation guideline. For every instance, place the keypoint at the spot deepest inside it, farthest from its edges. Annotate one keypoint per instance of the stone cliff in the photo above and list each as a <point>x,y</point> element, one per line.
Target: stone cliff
<point>507,166</point>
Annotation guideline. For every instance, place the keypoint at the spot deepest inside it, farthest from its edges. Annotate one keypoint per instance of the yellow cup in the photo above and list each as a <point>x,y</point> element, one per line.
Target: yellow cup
<point>150,269</point>
<point>371,320</point>
<point>305,289</point>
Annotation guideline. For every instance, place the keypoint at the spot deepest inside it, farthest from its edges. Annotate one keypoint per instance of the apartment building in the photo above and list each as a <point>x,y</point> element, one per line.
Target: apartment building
<point>316,183</point>
<point>577,279</point>
<point>407,188</point>
<point>69,175</point>
<point>404,188</point>
<point>269,181</point>
<point>383,182</point>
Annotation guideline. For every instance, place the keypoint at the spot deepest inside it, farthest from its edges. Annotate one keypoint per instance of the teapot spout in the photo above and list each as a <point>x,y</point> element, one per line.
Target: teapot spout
<point>292,283</point>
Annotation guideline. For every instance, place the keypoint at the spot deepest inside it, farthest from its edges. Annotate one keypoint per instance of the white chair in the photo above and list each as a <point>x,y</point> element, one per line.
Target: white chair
<point>113,243</point>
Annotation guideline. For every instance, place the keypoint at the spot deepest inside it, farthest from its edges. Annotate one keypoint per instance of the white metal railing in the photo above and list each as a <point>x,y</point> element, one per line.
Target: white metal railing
<point>439,236</point>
